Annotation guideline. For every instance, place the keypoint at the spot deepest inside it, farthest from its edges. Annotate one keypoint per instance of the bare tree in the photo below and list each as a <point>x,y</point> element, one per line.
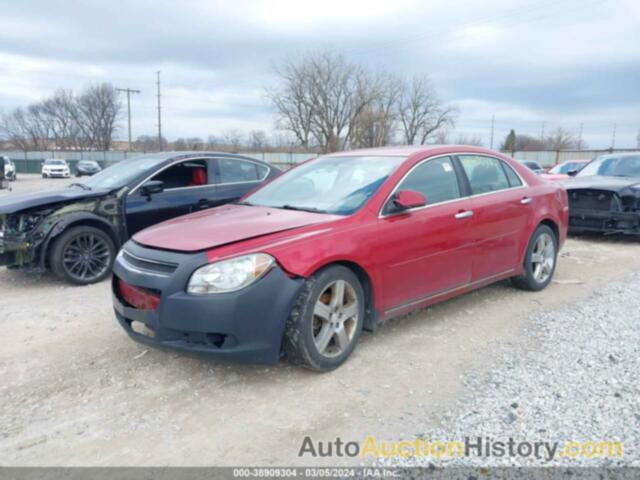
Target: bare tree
<point>469,140</point>
<point>258,140</point>
<point>422,113</point>
<point>97,111</point>
<point>321,97</point>
<point>560,139</point>
<point>233,138</point>
<point>376,124</point>
<point>146,143</point>
<point>14,128</point>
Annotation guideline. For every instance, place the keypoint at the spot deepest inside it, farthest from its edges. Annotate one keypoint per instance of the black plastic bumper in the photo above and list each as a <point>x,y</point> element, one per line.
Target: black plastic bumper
<point>609,222</point>
<point>247,325</point>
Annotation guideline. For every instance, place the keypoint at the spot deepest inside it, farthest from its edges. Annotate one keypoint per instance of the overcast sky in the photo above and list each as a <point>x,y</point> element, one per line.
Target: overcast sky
<point>561,62</point>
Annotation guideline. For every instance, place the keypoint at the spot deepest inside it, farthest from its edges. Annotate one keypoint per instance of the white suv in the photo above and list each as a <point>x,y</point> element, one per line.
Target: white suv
<point>55,168</point>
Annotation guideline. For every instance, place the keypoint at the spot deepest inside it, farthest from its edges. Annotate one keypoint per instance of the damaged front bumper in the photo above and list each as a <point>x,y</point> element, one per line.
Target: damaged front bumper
<point>246,325</point>
<point>608,222</point>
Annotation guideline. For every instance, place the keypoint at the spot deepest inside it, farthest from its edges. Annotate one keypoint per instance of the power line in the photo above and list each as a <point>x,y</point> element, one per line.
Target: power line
<point>128,91</point>
<point>159,115</point>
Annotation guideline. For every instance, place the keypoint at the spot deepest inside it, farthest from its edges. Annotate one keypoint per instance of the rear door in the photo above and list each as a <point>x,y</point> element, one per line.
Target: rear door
<point>427,250</point>
<point>188,187</point>
<point>501,210</point>
<point>237,177</point>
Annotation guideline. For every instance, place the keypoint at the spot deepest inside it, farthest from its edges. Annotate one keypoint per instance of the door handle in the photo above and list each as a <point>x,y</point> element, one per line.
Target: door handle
<point>203,203</point>
<point>464,214</point>
<point>526,201</point>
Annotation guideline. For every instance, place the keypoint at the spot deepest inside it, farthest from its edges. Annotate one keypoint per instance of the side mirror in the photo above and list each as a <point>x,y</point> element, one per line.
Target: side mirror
<point>572,173</point>
<point>152,187</point>
<point>407,199</point>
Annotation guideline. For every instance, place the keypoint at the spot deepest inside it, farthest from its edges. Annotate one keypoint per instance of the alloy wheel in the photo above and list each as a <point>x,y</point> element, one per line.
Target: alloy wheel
<point>543,258</point>
<point>335,318</point>
<point>86,257</point>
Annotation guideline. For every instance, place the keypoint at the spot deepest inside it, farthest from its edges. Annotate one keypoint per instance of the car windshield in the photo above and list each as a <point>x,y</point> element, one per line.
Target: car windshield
<point>626,166</point>
<point>338,185</point>
<point>564,168</point>
<point>123,173</point>
<point>55,162</point>
<point>533,165</point>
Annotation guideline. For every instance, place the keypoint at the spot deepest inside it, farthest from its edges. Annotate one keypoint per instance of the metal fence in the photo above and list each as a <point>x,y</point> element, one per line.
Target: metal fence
<point>31,162</point>
<point>553,157</point>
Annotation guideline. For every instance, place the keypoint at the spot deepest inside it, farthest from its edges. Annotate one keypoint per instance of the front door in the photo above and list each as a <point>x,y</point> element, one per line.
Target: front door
<point>188,187</point>
<point>427,250</point>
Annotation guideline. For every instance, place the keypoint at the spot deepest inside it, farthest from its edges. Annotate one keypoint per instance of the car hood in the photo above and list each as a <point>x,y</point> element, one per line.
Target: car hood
<point>223,225</point>
<point>13,203</point>
<point>620,185</point>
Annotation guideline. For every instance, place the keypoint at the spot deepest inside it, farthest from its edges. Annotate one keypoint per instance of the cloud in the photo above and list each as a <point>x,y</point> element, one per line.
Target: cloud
<point>565,63</point>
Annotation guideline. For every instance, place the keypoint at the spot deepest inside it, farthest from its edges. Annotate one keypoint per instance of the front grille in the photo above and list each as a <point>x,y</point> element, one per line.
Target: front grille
<point>589,199</point>
<point>148,265</point>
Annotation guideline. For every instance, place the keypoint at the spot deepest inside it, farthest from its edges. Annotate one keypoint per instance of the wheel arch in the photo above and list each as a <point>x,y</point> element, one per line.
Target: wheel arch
<point>76,220</point>
<point>371,314</point>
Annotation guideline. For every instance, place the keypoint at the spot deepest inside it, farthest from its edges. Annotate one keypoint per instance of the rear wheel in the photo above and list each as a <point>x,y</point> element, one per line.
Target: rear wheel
<point>82,255</point>
<point>540,260</point>
<point>326,320</point>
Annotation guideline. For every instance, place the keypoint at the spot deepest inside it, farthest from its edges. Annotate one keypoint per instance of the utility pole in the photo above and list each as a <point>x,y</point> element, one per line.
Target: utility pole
<point>580,136</point>
<point>159,116</point>
<point>542,132</point>
<point>128,91</point>
<point>613,137</point>
<point>493,121</point>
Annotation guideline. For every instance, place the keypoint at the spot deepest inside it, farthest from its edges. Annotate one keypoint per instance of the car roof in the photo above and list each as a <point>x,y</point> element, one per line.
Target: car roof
<point>170,156</point>
<point>618,155</point>
<point>409,150</point>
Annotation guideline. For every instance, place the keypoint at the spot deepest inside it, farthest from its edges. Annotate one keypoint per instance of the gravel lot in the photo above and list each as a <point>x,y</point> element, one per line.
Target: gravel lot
<point>74,390</point>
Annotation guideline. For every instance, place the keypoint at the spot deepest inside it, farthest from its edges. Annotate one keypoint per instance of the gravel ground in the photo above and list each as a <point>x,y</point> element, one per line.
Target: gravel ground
<point>75,390</point>
<point>572,375</point>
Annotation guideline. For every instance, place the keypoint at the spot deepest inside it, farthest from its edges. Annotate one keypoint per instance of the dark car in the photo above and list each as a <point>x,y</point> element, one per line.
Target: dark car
<point>605,195</point>
<point>534,166</point>
<point>87,167</point>
<point>336,245</point>
<point>76,231</point>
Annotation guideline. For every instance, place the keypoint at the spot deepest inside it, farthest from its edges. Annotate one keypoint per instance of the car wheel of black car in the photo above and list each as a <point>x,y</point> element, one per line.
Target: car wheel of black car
<point>82,255</point>
<point>540,260</point>
<point>326,320</point>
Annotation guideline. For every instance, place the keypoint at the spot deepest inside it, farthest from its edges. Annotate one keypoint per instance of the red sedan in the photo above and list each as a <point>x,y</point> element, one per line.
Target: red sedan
<point>334,246</point>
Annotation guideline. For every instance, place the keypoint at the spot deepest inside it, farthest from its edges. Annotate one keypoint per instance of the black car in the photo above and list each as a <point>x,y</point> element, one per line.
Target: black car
<point>76,231</point>
<point>87,167</point>
<point>605,195</point>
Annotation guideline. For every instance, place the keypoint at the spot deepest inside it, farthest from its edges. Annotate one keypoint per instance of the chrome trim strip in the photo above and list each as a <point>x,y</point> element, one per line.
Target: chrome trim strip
<point>446,292</point>
<point>132,268</point>
<point>380,214</point>
<point>195,159</point>
<point>148,260</point>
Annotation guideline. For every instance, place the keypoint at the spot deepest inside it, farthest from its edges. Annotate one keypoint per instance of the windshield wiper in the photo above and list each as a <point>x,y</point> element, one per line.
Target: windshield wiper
<point>81,185</point>
<point>239,202</point>
<point>301,209</point>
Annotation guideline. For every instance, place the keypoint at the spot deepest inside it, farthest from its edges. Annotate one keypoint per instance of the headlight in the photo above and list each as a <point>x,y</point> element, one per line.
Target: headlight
<point>230,275</point>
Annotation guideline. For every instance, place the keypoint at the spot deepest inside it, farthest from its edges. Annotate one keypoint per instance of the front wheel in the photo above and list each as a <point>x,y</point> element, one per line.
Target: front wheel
<point>326,320</point>
<point>82,255</point>
<point>540,260</point>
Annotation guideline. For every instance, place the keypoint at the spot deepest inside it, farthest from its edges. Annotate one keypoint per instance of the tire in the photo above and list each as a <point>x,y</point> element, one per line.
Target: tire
<point>538,274</point>
<point>341,329</point>
<point>44,175</point>
<point>82,255</point>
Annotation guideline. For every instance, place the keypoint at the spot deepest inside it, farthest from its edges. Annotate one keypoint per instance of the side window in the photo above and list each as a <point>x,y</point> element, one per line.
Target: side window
<point>435,179</point>
<point>192,173</point>
<point>234,171</point>
<point>485,174</point>
<point>514,179</point>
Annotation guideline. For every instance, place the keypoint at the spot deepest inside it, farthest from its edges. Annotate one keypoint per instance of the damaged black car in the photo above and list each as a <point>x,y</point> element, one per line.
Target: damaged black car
<point>605,195</point>
<point>77,231</point>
